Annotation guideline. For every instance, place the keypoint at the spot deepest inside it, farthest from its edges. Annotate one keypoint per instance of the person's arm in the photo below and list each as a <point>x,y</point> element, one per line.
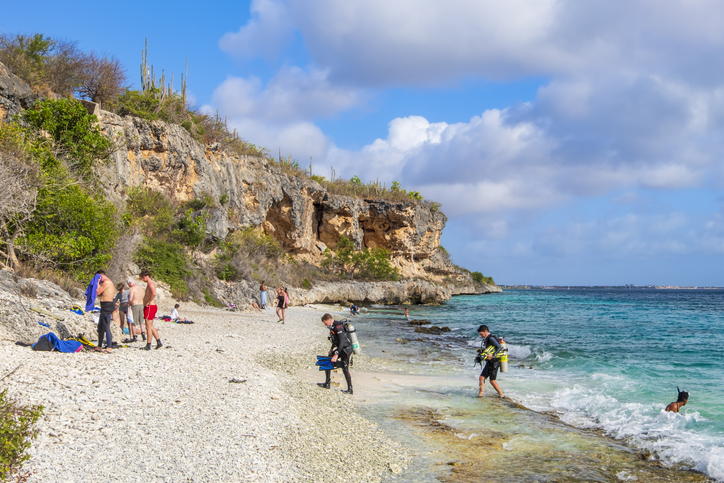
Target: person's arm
<point>101,288</point>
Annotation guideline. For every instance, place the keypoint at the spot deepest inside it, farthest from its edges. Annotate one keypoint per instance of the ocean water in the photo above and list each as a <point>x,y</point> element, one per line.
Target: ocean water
<point>595,366</point>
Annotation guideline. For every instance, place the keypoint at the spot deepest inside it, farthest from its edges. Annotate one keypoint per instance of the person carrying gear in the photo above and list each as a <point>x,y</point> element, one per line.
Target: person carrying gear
<point>489,352</point>
<point>681,401</point>
<point>339,352</point>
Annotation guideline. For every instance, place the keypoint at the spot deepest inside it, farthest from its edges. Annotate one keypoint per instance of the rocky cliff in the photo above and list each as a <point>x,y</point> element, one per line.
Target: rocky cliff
<point>302,216</point>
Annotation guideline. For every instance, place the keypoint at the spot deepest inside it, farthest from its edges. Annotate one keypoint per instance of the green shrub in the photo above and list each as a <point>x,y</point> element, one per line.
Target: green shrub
<point>368,264</point>
<point>73,131</point>
<point>211,300</point>
<point>70,229</point>
<point>167,262</point>
<point>191,229</point>
<point>480,278</point>
<point>224,199</point>
<point>306,284</point>
<point>17,430</point>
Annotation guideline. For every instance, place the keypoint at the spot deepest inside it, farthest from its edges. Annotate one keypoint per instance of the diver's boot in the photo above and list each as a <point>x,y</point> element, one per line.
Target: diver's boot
<point>348,391</point>
<point>143,334</point>
<point>323,384</point>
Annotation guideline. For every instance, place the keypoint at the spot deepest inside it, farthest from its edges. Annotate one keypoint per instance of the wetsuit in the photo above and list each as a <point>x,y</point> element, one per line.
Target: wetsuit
<point>104,323</point>
<point>491,366</point>
<point>343,348</point>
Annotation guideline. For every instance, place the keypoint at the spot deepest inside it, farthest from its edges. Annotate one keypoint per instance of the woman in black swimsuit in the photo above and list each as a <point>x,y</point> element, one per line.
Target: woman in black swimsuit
<point>281,304</point>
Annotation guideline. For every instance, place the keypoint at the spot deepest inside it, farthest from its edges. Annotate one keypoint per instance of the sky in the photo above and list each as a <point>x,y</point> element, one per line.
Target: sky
<point>569,142</point>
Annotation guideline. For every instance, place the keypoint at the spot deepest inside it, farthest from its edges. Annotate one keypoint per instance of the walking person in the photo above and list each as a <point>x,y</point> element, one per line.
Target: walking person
<point>281,304</point>
<point>149,309</point>
<point>339,352</point>
<point>135,301</point>
<point>262,290</point>
<point>489,350</point>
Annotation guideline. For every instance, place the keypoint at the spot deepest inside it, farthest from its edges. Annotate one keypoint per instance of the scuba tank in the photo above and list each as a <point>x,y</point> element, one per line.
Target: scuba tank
<point>352,336</point>
<point>503,355</point>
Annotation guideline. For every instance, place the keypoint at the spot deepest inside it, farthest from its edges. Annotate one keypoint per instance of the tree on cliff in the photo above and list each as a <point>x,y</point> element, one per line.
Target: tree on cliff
<point>19,196</point>
<point>101,78</point>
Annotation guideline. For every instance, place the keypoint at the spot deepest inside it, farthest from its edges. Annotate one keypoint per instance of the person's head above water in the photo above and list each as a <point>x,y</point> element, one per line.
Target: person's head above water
<point>683,396</point>
<point>483,330</point>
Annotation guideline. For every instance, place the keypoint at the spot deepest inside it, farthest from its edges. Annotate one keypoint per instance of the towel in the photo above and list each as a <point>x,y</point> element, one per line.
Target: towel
<point>90,292</point>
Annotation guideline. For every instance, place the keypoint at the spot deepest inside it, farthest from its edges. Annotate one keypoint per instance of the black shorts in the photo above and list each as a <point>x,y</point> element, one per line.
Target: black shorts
<point>491,370</point>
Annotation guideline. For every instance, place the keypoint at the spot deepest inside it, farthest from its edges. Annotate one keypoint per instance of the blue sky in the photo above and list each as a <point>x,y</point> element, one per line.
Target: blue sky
<point>569,142</point>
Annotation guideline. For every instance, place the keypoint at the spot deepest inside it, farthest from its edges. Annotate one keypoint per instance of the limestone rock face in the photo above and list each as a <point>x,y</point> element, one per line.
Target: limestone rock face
<point>15,94</point>
<point>298,212</point>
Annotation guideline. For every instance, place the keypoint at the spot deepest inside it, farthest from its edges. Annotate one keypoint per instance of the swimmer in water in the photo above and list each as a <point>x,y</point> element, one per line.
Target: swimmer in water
<point>680,402</point>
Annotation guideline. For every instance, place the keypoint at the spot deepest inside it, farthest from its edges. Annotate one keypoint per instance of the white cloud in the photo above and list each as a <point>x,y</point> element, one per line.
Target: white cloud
<point>292,95</point>
<point>377,42</point>
<point>264,35</point>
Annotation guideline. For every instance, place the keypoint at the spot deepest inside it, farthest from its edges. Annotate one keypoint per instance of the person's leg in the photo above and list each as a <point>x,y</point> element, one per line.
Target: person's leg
<point>283,319</point>
<point>101,330</point>
<point>279,316</point>
<point>109,334</point>
<point>481,392</point>
<point>497,388</point>
<point>347,376</point>
<point>327,379</point>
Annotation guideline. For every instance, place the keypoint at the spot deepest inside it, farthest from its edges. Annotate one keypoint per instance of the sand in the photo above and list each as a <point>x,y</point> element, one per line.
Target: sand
<point>173,415</point>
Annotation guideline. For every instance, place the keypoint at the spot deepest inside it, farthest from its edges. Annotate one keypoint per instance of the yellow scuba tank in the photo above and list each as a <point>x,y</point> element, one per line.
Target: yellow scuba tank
<point>352,336</point>
<point>503,356</point>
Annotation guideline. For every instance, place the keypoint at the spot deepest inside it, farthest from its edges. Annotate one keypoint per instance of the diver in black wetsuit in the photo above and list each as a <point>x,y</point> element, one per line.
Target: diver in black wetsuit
<point>339,352</point>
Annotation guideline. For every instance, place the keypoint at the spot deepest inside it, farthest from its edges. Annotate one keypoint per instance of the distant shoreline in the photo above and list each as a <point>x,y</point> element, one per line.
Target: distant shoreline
<point>607,287</point>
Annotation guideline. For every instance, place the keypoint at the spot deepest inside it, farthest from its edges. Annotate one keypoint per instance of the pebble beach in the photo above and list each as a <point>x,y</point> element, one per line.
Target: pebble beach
<point>174,414</point>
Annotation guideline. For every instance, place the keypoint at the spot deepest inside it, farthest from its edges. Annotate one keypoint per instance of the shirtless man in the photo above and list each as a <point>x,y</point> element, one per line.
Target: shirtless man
<point>105,292</point>
<point>135,305</point>
<point>149,309</point>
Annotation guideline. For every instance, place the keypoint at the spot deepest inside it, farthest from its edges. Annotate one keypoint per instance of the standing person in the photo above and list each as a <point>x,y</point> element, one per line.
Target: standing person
<point>353,309</point>
<point>105,296</point>
<point>489,349</point>
<point>339,352</point>
<point>262,290</point>
<point>681,401</point>
<point>281,304</point>
<point>135,300</point>
<point>149,309</point>
<point>121,299</point>
<point>407,314</point>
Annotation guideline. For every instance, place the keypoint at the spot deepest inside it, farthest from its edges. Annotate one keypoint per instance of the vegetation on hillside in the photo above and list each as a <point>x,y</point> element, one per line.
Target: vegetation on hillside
<point>54,216</point>
<point>366,264</point>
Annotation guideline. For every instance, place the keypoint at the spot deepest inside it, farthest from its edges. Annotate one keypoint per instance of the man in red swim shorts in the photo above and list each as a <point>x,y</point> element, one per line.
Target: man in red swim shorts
<point>149,309</point>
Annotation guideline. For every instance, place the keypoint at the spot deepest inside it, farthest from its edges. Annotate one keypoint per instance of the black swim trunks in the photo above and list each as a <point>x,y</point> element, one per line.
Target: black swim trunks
<point>491,370</point>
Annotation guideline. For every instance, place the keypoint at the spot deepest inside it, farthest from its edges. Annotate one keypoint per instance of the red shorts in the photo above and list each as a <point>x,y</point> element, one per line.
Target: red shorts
<point>149,312</point>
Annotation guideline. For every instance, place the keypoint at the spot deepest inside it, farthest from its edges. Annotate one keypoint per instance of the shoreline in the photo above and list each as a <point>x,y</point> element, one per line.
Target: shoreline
<point>172,414</point>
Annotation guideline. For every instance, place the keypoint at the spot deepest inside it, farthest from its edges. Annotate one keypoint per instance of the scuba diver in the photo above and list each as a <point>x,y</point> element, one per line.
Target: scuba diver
<point>489,352</point>
<point>339,353</point>
<point>681,401</point>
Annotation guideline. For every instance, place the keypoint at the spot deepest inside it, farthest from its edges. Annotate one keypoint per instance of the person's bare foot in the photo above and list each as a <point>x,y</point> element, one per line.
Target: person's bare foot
<point>481,394</point>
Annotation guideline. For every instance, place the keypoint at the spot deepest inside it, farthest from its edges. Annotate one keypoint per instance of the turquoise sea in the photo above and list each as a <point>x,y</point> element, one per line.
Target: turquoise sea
<point>589,363</point>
